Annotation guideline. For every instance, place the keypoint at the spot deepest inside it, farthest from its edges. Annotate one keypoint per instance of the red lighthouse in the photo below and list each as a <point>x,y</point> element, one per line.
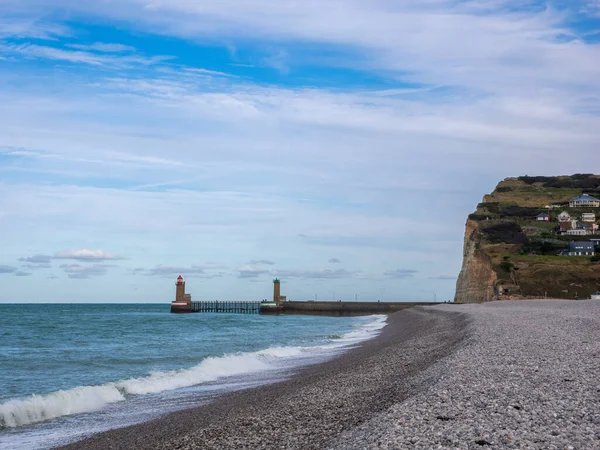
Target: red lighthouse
<point>183,301</point>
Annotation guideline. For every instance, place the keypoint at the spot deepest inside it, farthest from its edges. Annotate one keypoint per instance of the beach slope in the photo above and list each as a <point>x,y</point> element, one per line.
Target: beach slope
<point>314,406</point>
<point>526,377</point>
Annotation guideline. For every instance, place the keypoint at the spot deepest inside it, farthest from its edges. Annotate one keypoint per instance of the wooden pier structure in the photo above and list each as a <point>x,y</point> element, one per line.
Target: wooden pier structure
<point>226,307</point>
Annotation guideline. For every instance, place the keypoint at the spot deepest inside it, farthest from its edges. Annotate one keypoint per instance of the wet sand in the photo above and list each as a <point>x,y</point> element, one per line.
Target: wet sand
<point>312,408</point>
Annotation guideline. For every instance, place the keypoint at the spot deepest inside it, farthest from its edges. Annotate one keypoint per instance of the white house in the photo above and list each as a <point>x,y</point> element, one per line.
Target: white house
<point>564,217</point>
<point>590,227</point>
<point>577,232</point>
<point>543,217</point>
<point>588,217</point>
<point>596,295</point>
<point>584,200</point>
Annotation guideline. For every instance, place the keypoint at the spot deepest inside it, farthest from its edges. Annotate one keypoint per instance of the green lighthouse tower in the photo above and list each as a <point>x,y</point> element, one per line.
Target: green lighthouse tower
<point>276,291</point>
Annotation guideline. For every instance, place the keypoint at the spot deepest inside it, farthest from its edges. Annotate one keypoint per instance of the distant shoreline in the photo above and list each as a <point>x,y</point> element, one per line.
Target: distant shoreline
<point>315,405</point>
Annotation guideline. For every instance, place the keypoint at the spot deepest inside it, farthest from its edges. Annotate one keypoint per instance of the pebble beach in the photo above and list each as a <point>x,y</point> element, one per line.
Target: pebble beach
<point>513,374</point>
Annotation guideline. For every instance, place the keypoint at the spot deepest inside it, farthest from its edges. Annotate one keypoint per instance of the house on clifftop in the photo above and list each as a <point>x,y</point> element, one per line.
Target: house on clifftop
<point>581,248</point>
<point>584,200</point>
<point>564,217</point>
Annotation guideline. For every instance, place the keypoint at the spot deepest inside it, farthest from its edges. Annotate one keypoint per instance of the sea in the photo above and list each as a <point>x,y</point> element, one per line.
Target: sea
<point>70,370</point>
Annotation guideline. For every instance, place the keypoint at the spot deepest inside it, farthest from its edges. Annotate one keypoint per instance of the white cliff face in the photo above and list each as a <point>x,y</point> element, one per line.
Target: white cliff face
<point>477,278</point>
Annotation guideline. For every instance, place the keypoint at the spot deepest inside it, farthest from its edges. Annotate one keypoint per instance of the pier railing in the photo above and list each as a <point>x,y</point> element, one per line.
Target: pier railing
<point>226,307</point>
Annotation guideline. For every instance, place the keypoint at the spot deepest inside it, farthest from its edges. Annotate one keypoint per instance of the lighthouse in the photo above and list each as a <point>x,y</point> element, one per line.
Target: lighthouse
<point>277,297</point>
<point>183,301</point>
<point>179,289</point>
<point>276,290</point>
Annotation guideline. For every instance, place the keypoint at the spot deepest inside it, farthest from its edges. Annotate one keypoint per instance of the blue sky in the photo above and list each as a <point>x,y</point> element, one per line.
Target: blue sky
<point>338,145</point>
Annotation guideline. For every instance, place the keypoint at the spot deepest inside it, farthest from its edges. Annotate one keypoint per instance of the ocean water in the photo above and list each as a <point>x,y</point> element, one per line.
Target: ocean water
<point>68,370</point>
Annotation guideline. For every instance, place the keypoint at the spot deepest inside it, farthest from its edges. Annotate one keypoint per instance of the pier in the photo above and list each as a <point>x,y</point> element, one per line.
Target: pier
<point>341,308</point>
<point>281,305</point>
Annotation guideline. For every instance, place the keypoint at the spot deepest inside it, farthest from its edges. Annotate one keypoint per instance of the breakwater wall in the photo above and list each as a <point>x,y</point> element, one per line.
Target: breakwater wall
<point>298,307</point>
<point>343,308</point>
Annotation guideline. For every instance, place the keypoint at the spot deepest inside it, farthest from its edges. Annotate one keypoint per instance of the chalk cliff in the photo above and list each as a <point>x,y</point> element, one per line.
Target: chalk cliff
<point>477,278</point>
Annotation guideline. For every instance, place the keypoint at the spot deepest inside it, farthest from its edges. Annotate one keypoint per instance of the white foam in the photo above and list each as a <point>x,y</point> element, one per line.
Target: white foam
<point>364,331</point>
<point>210,369</point>
<point>61,403</point>
<point>37,408</point>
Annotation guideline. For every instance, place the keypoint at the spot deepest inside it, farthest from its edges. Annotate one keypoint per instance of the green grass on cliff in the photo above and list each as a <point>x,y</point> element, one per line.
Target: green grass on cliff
<point>517,192</point>
<point>507,229</point>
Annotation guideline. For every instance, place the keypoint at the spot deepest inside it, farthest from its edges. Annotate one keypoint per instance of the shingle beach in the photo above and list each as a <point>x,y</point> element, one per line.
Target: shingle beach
<point>513,374</point>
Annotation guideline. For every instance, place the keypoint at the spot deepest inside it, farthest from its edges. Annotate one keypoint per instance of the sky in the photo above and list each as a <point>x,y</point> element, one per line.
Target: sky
<point>336,144</point>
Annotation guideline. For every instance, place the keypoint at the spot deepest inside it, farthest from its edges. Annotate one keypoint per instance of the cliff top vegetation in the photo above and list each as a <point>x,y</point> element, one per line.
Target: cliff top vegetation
<point>530,253</point>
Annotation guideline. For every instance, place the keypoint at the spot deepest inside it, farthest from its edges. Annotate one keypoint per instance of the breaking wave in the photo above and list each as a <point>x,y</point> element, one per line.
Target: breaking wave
<point>82,399</point>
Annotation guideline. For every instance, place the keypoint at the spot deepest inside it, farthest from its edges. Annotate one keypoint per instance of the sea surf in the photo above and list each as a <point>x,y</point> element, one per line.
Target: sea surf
<point>67,371</point>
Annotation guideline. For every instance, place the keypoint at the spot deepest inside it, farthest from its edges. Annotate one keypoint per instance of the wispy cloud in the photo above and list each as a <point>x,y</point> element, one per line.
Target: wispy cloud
<point>322,273</point>
<point>17,26</point>
<point>261,261</point>
<point>21,273</point>
<point>334,261</point>
<point>278,61</point>
<point>251,272</point>
<point>399,273</point>
<point>429,42</point>
<point>78,271</point>
<point>37,259</point>
<point>41,261</point>
<point>7,269</point>
<point>86,255</point>
<point>37,266</point>
<point>79,56</point>
<point>207,72</point>
<point>444,277</point>
<point>104,47</point>
<point>196,271</point>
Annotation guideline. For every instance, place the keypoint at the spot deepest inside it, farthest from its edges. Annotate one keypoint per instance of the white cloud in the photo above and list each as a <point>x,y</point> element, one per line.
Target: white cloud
<point>278,61</point>
<point>206,72</point>
<point>87,255</point>
<point>79,56</point>
<point>251,272</point>
<point>195,270</point>
<point>37,259</point>
<point>261,262</point>
<point>104,47</point>
<point>319,274</point>
<point>400,273</point>
<point>37,266</point>
<point>31,28</point>
<point>77,271</point>
<point>481,44</point>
